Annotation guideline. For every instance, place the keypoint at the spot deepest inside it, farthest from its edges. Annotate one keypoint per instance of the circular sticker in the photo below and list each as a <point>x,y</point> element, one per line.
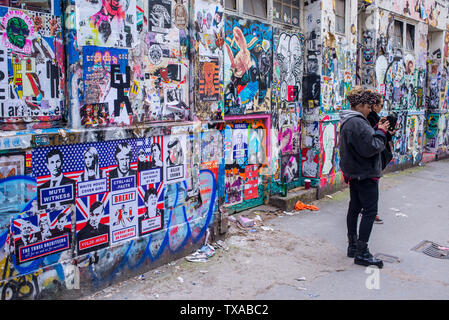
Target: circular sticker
<point>155,54</point>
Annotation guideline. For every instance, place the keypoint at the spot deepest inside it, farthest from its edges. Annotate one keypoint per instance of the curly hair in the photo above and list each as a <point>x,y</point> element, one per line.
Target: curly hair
<point>359,95</point>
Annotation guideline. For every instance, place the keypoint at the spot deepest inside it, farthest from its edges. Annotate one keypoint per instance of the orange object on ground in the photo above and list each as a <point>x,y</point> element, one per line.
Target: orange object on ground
<point>302,206</point>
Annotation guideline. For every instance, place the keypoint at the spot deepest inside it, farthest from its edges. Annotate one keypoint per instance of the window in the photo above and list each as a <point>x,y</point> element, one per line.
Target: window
<point>340,13</point>
<point>410,37</point>
<point>286,12</point>
<point>231,4</point>
<point>398,34</point>
<point>256,8</point>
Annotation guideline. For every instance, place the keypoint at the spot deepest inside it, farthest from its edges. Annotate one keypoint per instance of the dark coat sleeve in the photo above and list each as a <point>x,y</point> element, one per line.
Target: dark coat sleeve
<point>366,141</point>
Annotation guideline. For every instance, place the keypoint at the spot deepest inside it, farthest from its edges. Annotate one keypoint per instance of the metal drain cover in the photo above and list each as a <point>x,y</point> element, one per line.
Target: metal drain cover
<point>432,249</point>
<point>387,257</point>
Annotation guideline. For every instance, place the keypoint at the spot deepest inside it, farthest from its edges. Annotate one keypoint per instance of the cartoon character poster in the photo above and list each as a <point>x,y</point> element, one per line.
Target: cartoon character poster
<point>248,66</point>
<point>107,23</point>
<point>42,234</point>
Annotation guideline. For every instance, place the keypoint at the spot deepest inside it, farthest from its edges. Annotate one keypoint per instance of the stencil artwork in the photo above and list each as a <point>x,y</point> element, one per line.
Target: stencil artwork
<point>247,65</point>
<point>32,66</point>
<point>159,15</point>
<point>108,23</point>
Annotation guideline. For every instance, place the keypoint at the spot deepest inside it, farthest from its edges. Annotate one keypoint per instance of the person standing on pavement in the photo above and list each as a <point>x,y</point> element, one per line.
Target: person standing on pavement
<point>361,165</point>
<point>387,154</point>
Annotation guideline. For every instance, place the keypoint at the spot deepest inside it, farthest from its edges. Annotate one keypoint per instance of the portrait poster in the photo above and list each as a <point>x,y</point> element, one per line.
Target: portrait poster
<point>151,188</point>
<point>108,23</point>
<point>42,234</point>
<point>160,19</point>
<point>240,143</point>
<point>104,176</point>
<point>175,158</point>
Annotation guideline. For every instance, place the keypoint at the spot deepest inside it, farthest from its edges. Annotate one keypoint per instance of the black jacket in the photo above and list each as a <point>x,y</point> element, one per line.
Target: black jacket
<point>360,146</point>
<point>387,154</point>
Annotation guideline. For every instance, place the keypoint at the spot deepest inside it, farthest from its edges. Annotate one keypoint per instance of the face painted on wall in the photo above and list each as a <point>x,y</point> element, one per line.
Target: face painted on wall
<point>112,6</point>
<point>17,31</point>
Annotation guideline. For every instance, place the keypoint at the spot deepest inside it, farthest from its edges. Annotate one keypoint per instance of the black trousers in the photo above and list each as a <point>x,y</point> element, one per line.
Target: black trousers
<point>364,194</point>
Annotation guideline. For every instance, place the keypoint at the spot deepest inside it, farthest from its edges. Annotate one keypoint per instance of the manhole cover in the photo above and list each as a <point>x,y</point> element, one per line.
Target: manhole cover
<point>387,257</point>
<point>432,249</point>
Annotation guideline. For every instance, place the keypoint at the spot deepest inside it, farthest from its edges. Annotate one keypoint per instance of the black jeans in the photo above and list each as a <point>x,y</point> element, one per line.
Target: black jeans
<point>364,194</point>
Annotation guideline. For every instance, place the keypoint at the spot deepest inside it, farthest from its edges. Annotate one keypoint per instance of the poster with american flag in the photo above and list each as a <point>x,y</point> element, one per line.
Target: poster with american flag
<point>112,178</point>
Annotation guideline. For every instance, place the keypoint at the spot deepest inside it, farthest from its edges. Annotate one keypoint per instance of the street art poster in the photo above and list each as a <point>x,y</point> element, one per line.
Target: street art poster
<point>248,66</point>
<point>151,189</point>
<point>287,66</point>
<point>240,143</point>
<point>31,66</point>
<point>329,141</point>
<point>106,78</point>
<point>208,25</point>
<point>175,158</point>
<point>234,183</point>
<point>290,166</point>
<point>41,234</point>
<point>106,23</point>
<point>160,19</point>
<point>108,182</point>
<point>310,149</point>
<point>209,81</point>
<point>251,182</point>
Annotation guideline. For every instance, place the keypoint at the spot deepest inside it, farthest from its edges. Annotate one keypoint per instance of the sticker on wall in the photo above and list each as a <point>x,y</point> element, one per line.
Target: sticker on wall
<point>108,23</point>
<point>159,19</point>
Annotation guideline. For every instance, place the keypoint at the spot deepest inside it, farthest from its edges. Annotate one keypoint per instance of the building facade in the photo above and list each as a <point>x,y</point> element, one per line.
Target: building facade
<point>131,129</point>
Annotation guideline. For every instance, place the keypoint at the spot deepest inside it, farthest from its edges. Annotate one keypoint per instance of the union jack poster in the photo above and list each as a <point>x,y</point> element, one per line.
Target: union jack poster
<point>42,234</point>
<point>108,182</point>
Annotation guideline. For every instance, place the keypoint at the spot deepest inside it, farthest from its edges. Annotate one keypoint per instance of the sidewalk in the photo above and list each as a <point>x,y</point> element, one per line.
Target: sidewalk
<point>304,255</point>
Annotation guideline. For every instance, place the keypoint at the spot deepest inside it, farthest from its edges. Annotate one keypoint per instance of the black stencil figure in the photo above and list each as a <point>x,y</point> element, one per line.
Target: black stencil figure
<point>54,73</point>
<point>120,84</point>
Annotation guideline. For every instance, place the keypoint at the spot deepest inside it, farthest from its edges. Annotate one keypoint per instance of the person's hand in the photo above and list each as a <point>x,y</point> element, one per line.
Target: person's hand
<point>384,125</point>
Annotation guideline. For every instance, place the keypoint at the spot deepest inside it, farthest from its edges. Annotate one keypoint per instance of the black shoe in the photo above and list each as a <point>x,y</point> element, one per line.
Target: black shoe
<point>364,258</point>
<point>352,245</point>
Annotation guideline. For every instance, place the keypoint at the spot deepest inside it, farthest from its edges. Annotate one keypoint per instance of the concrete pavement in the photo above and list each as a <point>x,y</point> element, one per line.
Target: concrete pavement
<point>303,257</point>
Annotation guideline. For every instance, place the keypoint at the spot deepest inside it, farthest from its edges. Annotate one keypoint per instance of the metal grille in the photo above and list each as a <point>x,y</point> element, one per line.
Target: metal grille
<point>432,249</point>
<point>387,258</point>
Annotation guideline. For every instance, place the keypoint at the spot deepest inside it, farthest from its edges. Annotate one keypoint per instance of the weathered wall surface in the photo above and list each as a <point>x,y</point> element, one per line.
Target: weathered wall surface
<point>130,128</point>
